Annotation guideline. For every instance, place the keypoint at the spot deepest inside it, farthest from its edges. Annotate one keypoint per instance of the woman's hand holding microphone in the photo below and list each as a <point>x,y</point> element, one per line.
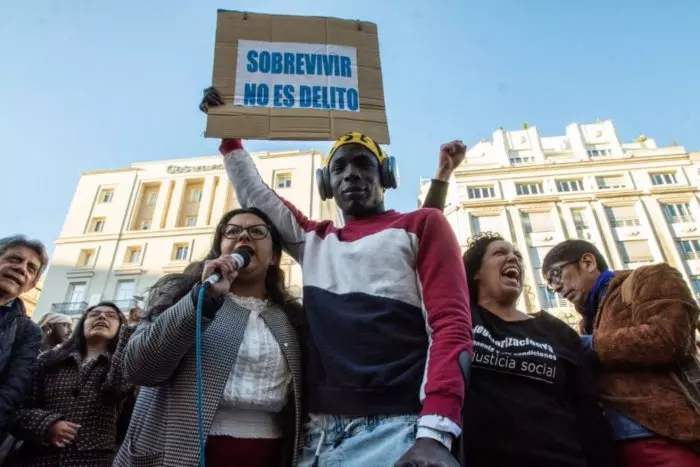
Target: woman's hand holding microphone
<point>226,268</point>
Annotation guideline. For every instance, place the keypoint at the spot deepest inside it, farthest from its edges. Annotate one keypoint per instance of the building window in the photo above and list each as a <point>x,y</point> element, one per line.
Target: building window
<point>551,300</point>
<point>181,252</point>
<point>581,223</point>
<point>534,222</point>
<point>481,192</point>
<point>86,258</point>
<point>283,180</point>
<point>579,215</point>
<point>133,255</point>
<point>689,249</point>
<point>196,195</point>
<point>668,178</point>
<point>487,224</point>
<point>124,293</point>
<point>97,224</point>
<point>622,216</point>
<point>611,182</point>
<point>677,213</point>
<point>599,152</point>
<point>76,292</point>
<point>635,252</point>
<point>151,198</point>
<point>537,254</point>
<point>106,196</point>
<point>145,224</point>
<point>566,186</point>
<point>695,286</point>
<point>522,160</point>
<point>523,189</point>
<point>191,221</point>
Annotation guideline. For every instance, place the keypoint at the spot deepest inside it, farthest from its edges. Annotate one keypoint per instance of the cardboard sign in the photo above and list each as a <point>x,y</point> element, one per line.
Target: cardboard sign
<point>296,78</point>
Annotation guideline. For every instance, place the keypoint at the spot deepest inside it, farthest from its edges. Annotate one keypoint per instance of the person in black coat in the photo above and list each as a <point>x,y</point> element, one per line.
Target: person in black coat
<point>21,263</point>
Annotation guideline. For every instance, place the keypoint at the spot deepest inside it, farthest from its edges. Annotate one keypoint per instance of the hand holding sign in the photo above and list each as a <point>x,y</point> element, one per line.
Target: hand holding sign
<point>212,98</point>
<point>452,154</point>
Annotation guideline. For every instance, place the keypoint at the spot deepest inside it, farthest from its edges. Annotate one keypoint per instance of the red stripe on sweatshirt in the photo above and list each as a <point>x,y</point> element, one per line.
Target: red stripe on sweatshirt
<point>446,301</point>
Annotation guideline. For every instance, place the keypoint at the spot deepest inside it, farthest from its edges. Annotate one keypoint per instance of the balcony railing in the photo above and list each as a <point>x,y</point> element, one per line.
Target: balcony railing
<point>69,308</point>
<point>628,222</point>
<point>679,219</point>
<point>125,305</point>
<point>559,303</point>
<point>691,254</point>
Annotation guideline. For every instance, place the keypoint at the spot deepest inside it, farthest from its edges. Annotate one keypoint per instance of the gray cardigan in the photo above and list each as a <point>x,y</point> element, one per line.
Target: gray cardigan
<point>160,357</point>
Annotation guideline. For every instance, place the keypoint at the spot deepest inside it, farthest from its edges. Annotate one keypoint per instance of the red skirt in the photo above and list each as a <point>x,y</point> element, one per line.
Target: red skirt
<point>657,452</point>
<point>225,451</point>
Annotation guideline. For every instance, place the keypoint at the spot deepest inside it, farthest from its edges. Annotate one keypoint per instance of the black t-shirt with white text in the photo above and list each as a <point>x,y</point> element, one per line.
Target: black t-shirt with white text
<point>519,402</point>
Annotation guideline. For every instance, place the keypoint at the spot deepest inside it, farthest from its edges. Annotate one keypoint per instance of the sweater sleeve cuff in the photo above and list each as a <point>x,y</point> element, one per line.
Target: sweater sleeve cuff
<point>440,436</point>
<point>230,145</point>
<point>211,304</point>
<point>439,423</point>
<point>45,426</point>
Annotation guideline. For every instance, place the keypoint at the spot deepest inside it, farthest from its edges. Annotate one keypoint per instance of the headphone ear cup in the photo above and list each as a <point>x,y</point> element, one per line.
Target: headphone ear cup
<point>324,183</point>
<point>390,173</point>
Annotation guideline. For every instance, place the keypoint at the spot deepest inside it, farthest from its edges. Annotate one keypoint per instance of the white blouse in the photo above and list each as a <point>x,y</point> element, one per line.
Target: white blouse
<point>258,386</point>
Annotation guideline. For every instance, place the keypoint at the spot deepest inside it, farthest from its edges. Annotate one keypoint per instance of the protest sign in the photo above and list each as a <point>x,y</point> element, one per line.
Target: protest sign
<point>296,78</point>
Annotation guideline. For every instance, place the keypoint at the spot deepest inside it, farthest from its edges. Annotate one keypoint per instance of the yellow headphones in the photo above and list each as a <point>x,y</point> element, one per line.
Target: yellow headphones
<point>388,172</point>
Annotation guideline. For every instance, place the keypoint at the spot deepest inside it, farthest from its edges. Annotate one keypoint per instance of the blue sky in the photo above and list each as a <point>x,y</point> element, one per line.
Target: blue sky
<point>88,85</point>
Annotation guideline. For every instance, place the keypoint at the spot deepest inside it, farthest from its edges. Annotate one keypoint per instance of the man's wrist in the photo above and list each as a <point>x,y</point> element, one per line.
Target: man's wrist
<point>441,437</point>
<point>443,175</point>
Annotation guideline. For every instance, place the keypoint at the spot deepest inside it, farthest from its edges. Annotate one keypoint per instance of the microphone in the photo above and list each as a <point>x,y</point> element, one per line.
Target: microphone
<point>241,259</point>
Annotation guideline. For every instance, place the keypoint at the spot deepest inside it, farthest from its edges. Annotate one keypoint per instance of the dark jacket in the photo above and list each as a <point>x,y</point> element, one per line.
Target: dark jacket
<point>20,339</point>
<point>89,394</point>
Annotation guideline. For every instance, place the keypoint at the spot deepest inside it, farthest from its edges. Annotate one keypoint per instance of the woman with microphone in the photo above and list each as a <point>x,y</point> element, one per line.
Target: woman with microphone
<point>251,362</point>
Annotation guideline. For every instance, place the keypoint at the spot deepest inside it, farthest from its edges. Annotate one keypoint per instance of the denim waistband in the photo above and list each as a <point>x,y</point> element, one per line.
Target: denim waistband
<point>338,426</point>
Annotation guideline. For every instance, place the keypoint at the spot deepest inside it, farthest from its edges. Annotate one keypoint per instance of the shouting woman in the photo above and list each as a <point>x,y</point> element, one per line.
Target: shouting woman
<point>531,401</point>
<point>250,359</point>
<point>70,418</point>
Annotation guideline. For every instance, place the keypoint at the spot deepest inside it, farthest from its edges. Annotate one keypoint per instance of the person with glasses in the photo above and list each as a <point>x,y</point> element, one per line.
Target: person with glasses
<point>638,327</point>
<point>56,329</point>
<point>251,359</point>
<point>69,419</point>
<point>531,398</point>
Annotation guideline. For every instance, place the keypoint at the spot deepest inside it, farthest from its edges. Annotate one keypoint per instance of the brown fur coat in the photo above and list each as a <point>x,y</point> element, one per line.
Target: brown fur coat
<point>638,344</point>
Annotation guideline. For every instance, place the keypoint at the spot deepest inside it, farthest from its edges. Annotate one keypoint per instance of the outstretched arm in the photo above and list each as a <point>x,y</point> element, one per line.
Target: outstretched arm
<point>446,302</point>
<point>451,156</point>
<point>252,192</point>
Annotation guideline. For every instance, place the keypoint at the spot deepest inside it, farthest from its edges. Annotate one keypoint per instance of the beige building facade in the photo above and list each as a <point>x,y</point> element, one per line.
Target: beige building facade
<point>31,297</point>
<point>639,203</point>
<point>126,228</point>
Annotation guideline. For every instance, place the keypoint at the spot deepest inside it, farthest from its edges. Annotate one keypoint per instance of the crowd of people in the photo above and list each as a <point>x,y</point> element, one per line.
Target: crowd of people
<point>372,369</point>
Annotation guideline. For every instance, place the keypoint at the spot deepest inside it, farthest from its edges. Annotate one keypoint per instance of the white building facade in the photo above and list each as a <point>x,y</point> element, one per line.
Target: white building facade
<point>638,203</point>
<point>126,228</point>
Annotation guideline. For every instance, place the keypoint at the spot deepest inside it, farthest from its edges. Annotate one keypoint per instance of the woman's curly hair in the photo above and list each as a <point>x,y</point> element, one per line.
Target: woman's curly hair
<point>473,257</point>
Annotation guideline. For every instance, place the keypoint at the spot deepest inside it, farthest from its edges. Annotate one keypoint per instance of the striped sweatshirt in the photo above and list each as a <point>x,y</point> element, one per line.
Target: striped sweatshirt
<point>386,302</point>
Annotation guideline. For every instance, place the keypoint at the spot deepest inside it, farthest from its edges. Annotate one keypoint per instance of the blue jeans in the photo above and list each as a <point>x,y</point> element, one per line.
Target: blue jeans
<point>363,442</point>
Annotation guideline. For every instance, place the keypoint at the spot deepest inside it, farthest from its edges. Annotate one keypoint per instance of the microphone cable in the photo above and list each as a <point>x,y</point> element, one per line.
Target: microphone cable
<point>198,364</point>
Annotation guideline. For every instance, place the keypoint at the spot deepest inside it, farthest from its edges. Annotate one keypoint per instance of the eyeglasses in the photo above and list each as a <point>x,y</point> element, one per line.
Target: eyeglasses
<point>255,232</point>
<point>93,314</point>
<point>554,274</point>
